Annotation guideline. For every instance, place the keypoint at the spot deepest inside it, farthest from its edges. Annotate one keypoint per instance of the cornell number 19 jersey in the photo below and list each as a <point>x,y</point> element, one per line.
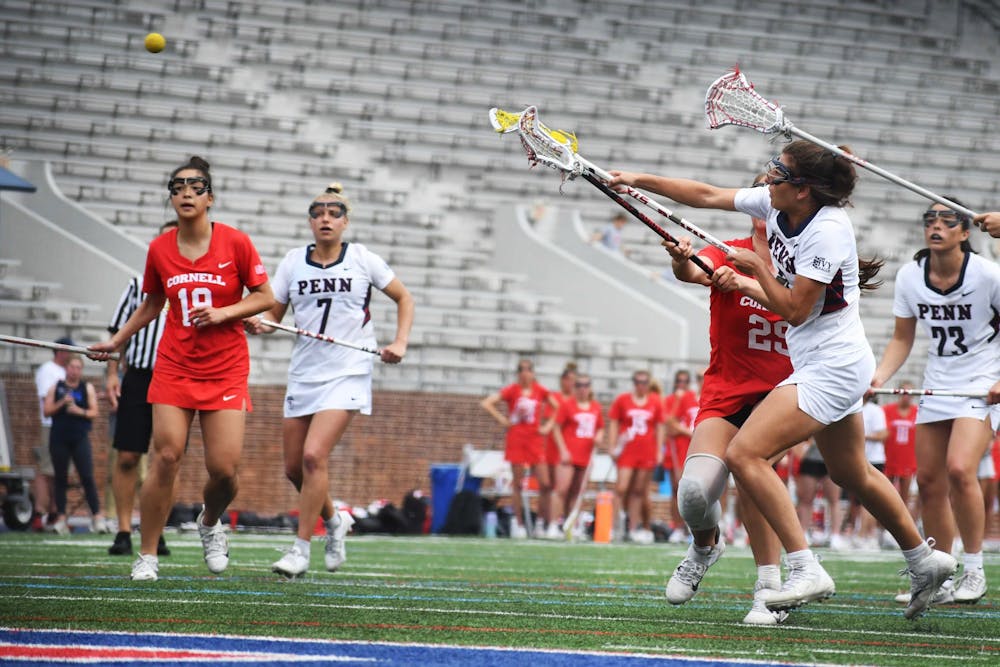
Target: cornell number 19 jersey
<point>961,322</point>
<point>333,300</point>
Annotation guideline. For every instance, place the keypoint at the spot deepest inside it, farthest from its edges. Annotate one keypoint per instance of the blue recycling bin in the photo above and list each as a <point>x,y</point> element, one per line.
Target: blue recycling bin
<point>444,478</point>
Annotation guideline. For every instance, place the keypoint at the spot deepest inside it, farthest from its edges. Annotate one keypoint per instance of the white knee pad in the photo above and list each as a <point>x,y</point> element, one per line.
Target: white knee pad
<point>699,489</point>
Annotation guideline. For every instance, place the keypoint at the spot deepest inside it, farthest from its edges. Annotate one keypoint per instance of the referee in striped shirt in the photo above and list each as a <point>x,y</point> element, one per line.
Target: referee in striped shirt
<point>134,421</point>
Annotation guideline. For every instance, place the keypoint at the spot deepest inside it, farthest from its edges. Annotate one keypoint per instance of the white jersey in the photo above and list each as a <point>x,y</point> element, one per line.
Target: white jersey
<point>332,300</point>
<point>821,249</point>
<point>962,322</point>
<point>874,418</point>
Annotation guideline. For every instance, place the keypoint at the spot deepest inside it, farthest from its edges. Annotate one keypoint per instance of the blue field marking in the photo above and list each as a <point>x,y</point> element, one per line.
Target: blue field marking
<point>30,647</point>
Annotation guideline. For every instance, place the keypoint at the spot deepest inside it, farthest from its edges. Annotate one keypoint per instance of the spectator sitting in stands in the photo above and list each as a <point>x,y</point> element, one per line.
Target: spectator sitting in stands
<point>611,236</point>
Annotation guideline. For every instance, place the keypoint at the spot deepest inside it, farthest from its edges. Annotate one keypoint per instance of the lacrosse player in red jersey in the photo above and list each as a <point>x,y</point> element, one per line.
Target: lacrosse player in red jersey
<point>578,429</point>
<point>328,284</point>
<point>816,288</point>
<point>202,363</point>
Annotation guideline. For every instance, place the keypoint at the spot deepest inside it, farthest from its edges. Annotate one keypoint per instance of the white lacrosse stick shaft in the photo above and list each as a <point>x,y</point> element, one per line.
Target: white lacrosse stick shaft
<point>31,342</point>
<point>927,392</point>
<point>732,93</point>
<point>318,336</point>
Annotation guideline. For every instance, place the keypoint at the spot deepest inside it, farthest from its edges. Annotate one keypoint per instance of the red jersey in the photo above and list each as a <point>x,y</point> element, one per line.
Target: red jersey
<point>579,427</point>
<point>524,409</point>
<point>637,423</point>
<point>900,455</point>
<point>685,411</point>
<point>748,352</point>
<point>215,279</point>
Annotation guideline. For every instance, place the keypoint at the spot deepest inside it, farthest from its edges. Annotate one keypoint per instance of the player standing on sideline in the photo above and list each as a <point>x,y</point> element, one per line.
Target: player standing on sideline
<point>127,396</point>
<point>202,363</point>
<point>900,456</point>
<point>954,294</point>
<point>557,458</point>
<point>816,290</point>
<point>328,284</point>
<point>43,486</point>
<point>680,409</point>
<point>578,429</point>
<point>525,440</point>
<point>748,358</point>
<point>635,436</point>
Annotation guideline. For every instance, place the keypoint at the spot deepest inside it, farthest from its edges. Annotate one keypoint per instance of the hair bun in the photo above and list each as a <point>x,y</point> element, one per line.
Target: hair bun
<point>199,162</point>
<point>334,188</point>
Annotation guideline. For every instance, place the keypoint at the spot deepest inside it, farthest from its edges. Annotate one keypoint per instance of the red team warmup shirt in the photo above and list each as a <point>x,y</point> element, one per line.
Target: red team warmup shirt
<point>748,352</point>
<point>214,353</point>
<point>686,411</point>
<point>637,423</point>
<point>579,426</point>
<point>524,442</point>
<point>900,455</point>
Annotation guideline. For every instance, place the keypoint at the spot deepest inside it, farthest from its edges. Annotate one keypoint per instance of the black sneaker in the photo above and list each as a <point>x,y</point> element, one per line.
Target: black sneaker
<point>161,548</point>
<point>122,545</point>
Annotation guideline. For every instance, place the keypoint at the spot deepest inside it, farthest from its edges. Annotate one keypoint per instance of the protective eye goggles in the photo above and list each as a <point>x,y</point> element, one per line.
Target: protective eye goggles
<point>949,218</point>
<point>198,184</point>
<point>777,173</point>
<point>337,209</point>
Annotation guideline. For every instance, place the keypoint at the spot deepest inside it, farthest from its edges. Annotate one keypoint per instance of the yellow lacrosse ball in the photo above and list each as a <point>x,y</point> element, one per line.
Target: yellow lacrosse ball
<point>155,42</point>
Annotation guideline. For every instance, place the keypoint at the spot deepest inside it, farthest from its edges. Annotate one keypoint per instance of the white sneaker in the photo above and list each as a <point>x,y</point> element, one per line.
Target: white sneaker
<point>538,532</point>
<point>336,533</point>
<point>839,542</point>
<point>215,542</point>
<point>145,568</point>
<point>554,532</point>
<point>684,581</point>
<point>945,594</point>
<point>971,586</point>
<point>677,536</point>
<point>926,578</point>
<point>759,614</point>
<point>518,532</point>
<point>807,582</point>
<point>641,536</point>
<point>293,564</point>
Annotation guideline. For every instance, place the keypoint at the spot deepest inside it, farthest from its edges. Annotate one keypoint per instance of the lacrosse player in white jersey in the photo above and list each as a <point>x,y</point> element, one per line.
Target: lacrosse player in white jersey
<point>954,294</point>
<point>328,284</point>
<point>816,289</point>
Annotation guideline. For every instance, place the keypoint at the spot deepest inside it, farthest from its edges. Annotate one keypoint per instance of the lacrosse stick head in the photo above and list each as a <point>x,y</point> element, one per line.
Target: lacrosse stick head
<point>732,100</point>
<point>552,148</point>
<point>503,121</point>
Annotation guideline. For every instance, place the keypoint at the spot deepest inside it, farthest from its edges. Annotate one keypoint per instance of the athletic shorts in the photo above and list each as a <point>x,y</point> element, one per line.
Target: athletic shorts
<point>812,468</point>
<point>191,394</point>
<point>551,455</point>
<point>348,392</point>
<point>737,418</point>
<point>134,425</point>
<point>942,408</point>
<point>639,455</point>
<point>899,470</point>
<point>830,387</point>
<point>524,446</point>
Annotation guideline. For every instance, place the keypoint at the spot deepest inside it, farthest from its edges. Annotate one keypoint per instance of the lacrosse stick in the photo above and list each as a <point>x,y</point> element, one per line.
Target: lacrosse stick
<point>570,522</point>
<point>31,342</point>
<point>317,336</point>
<point>732,100</point>
<point>927,392</point>
<point>557,149</point>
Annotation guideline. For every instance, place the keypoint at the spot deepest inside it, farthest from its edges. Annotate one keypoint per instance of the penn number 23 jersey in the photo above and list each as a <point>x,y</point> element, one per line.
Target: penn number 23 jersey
<point>333,300</point>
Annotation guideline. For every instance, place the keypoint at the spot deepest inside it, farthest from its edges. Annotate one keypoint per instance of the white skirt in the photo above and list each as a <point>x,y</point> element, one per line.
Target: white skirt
<point>832,386</point>
<point>348,392</point>
<point>942,408</point>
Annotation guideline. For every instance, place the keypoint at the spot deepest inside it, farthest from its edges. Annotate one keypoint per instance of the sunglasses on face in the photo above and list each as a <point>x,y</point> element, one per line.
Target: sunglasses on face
<point>581,385</point>
<point>198,185</point>
<point>949,218</point>
<point>337,209</point>
<point>777,173</point>
<point>639,381</point>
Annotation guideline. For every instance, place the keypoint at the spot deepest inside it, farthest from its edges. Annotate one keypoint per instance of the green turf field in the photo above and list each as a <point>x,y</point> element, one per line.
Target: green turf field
<point>488,593</point>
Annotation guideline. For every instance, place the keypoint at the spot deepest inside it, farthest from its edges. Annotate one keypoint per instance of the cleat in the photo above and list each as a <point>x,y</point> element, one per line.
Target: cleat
<point>807,582</point>
<point>161,547</point>
<point>145,568</point>
<point>945,594</point>
<point>293,564</point>
<point>554,532</point>
<point>759,614</point>
<point>971,586</point>
<point>926,577</point>
<point>518,532</point>
<point>122,545</point>
<point>215,542</point>
<point>686,578</point>
<point>336,531</point>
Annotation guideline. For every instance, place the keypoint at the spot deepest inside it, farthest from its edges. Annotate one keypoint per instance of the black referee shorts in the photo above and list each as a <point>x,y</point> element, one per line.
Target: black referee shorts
<point>135,415</point>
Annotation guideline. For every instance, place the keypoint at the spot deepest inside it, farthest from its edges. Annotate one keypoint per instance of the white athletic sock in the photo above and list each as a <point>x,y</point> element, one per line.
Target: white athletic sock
<point>769,576</point>
<point>803,557</point>
<point>972,561</point>
<point>302,546</point>
<point>914,555</point>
